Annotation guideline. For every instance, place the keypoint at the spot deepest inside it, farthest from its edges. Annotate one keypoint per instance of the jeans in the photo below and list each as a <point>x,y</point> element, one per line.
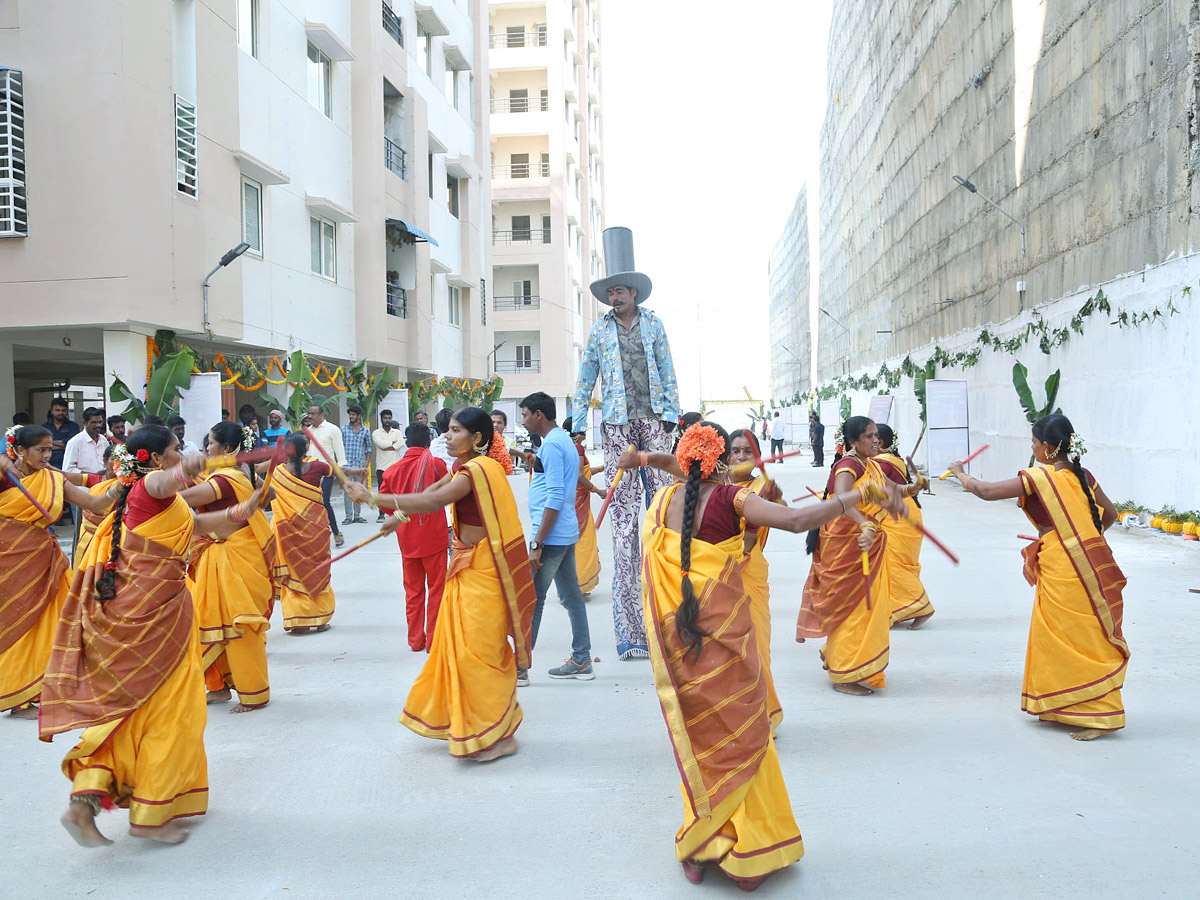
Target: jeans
<point>776,447</point>
<point>818,448</point>
<point>326,492</point>
<point>558,565</point>
<point>349,504</point>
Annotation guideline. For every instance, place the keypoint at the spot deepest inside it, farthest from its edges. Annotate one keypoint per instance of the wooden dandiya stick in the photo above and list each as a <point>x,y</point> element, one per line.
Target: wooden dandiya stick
<point>16,482</point>
<point>612,490</point>
<point>920,437</point>
<point>948,473</point>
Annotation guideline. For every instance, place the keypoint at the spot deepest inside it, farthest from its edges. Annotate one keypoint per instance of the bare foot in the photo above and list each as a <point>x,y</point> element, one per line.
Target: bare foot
<point>223,696</point>
<point>242,707</point>
<point>506,747</point>
<point>166,834</point>
<point>1090,734</point>
<point>858,690</point>
<point>80,823</point>
<point>693,871</point>
<point>24,712</point>
<point>321,628</point>
<point>919,621</point>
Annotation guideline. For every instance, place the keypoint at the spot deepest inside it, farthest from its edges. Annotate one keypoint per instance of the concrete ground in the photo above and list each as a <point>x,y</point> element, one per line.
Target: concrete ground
<point>937,787</point>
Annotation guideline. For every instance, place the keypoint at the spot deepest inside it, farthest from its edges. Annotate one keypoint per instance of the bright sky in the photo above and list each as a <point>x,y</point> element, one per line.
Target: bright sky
<point>713,122</point>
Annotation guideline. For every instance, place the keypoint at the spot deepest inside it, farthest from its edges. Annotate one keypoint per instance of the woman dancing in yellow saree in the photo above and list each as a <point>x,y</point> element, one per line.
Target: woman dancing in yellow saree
<point>1077,655</point>
<point>126,660</point>
<point>846,596</point>
<point>302,541</point>
<point>34,574</point>
<point>230,577</point>
<point>96,485</point>
<point>707,668</point>
<point>909,600</point>
<point>466,693</point>
<point>587,551</point>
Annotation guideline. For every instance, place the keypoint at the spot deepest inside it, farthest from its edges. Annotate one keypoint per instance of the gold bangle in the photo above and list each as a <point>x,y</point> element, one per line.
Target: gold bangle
<point>843,502</point>
<point>373,503</point>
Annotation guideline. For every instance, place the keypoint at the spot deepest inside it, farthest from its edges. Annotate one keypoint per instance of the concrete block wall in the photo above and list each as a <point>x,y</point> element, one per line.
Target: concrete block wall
<point>789,310</point>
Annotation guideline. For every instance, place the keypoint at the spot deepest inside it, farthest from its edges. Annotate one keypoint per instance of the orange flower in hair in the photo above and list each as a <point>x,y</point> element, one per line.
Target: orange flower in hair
<point>703,443</point>
<point>500,453</point>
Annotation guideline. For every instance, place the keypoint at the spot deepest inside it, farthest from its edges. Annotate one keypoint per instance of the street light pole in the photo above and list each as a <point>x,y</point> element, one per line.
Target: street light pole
<point>962,182</point>
<point>490,355</point>
<point>229,257</point>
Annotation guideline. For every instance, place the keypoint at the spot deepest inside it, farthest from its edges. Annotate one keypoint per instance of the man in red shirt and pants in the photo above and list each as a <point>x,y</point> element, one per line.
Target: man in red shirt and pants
<point>424,539</point>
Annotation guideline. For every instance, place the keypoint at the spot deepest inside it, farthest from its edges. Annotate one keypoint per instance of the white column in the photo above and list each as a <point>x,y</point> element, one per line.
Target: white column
<point>125,356</point>
<point>8,392</point>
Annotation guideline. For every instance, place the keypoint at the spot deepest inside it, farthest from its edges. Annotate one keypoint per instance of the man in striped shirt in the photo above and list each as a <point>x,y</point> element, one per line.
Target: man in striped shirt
<point>356,439</point>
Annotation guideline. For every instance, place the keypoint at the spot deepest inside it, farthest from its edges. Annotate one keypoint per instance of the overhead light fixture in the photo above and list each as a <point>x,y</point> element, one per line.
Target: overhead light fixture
<point>962,182</point>
<point>230,256</point>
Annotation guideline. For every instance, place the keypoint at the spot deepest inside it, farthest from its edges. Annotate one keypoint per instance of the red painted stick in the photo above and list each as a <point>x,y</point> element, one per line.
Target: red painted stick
<point>28,496</point>
<point>334,468</point>
<point>921,528</point>
<point>1028,537</point>
<point>359,546</point>
<point>276,458</point>
<point>811,493</point>
<point>964,462</point>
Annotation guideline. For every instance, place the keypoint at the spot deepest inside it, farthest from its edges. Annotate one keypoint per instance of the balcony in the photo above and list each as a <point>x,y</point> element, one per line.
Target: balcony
<point>517,302</point>
<point>522,236</point>
<point>393,24</point>
<point>529,37</point>
<point>522,170</point>
<point>397,301</point>
<point>520,104</point>
<point>394,156</point>
<point>518,366</point>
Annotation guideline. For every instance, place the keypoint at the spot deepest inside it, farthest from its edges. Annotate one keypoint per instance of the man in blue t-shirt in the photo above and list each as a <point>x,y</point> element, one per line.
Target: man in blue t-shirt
<point>555,532</point>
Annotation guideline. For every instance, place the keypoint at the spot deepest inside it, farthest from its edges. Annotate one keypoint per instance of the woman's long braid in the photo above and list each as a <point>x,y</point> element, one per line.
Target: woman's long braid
<point>1077,468</point>
<point>686,629</point>
<point>106,586</point>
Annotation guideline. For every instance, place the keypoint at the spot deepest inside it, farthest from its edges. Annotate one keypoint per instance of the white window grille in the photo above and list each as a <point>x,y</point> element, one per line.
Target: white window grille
<point>455,309</point>
<point>14,221</point>
<point>185,147</point>
<point>247,30</point>
<point>323,247</point>
<point>252,214</point>
<point>320,80</point>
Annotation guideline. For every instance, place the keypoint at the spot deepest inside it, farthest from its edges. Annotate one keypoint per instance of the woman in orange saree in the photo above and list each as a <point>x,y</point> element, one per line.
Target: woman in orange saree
<point>1077,655</point>
<point>126,660</point>
<point>707,669</point>
<point>587,551</point>
<point>230,578</point>
<point>909,600</point>
<point>34,573</point>
<point>846,596</point>
<point>302,541</point>
<point>466,693</point>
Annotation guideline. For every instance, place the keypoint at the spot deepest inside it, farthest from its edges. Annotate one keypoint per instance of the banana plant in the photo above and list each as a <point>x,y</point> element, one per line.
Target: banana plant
<point>172,373</point>
<point>919,386</point>
<point>369,391</point>
<point>1025,395</point>
<point>298,377</point>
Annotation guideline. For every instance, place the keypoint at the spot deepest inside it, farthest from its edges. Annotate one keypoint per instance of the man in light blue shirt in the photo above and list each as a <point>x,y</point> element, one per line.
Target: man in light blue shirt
<point>555,532</point>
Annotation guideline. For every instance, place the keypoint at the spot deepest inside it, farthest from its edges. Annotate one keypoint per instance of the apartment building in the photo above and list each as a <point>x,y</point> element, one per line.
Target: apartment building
<point>547,189</point>
<point>338,139</point>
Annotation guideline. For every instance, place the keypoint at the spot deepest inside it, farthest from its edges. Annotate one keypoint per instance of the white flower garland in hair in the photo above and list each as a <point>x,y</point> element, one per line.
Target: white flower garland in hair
<point>10,441</point>
<point>839,438</point>
<point>1075,446</point>
<point>124,463</point>
<point>249,438</point>
<point>895,444</point>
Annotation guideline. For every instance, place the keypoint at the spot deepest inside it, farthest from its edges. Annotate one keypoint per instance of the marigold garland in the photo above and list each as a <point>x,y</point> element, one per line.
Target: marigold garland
<point>499,452</point>
<point>703,443</point>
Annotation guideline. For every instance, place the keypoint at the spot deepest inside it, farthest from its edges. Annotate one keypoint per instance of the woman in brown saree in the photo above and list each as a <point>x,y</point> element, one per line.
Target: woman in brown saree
<point>301,529</point>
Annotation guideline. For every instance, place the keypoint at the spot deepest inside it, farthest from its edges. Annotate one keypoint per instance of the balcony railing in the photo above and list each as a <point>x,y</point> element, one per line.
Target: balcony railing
<point>397,301</point>
<point>522,236</point>
<point>518,366</point>
<point>393,24</point>
<point>520,104</point>
<point>522,170</point>
<point>520,301</point>
<point>530,37</point>
<point>394,156</point>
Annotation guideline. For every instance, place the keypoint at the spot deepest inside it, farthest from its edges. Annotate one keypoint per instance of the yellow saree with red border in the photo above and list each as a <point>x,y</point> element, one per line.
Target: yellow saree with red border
<point>755,577</point>
<point>1077,655</point>
<point>736,808</point>
<point>89,521</point>
<point>909,599</point>
<point>302,554</point>
<point>34,578</point>
<point>843,602</point>
<point>127,671</point>
<point>587,551</point>
<point>231,585</point>
<point>466,693</point>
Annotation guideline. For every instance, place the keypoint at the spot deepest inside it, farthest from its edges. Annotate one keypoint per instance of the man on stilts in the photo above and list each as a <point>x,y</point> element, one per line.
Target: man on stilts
<point>628,350</point>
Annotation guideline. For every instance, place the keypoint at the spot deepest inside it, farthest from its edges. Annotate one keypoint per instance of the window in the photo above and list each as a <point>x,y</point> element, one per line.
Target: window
<point>252,214</point>
<point>320,80</point>
<point>247,26</point>
<point>545,229</point>
<point>454,305</point>
<point>520,228</point>
<point>514,36</point>
<point>518,100</point>
<point>430,176</point>
<point>452,85</point>
<point>452,195</point>
<point>323,246</point>
<point>482,301</point>
<point>524,356</point>
<point>520,165</point>
<point>14,221</point>
<point>579,302</point>
<point>185,147</point>
<point>545,100</point>
<point>545,165</point>
<point>424,50</point>
<point>523,292</point>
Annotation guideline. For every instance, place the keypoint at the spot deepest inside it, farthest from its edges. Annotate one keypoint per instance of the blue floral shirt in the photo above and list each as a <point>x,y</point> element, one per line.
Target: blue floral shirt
<point>602,359</point>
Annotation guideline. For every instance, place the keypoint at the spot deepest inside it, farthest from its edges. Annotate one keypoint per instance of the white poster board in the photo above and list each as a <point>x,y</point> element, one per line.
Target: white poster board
<point>397,401</point>
<point>949,423</point>
<point>509,408</point>
<point>797,424</point>
<point>200,405</point>
<point>881,409</point>
<point>831,418</point>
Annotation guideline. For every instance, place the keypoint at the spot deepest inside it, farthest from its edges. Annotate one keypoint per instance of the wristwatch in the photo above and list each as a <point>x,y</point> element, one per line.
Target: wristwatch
<point>535,546</point>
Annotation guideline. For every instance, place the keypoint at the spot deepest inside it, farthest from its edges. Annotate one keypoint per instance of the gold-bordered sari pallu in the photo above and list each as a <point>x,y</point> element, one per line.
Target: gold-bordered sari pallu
<point>587,551</point>
<point>231,585</point>
<point>909,599</point>
<point>89,521</point>
<point>841,602</point>
<point>302,551</point>
<point>1077,655</point>
<point>34,578</point>
<point>466,693</point>
<point>127,671</point>
<point>755,578</point>
<point>736,808</point>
